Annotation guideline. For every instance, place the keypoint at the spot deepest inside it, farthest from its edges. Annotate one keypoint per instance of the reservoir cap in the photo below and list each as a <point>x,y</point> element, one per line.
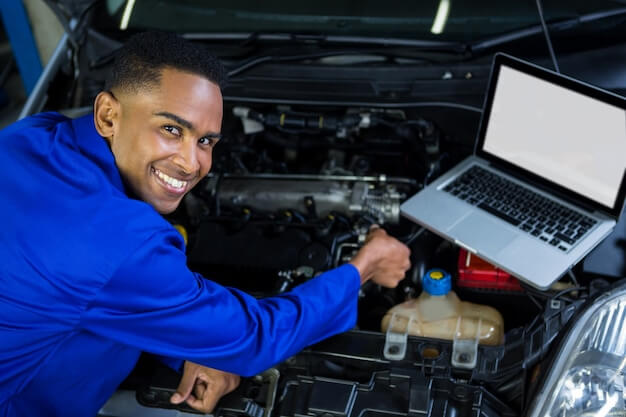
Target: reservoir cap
<point>437,282</point>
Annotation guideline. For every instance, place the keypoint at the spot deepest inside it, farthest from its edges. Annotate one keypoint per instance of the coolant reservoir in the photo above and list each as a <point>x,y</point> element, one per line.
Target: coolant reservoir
<point>439,313</point>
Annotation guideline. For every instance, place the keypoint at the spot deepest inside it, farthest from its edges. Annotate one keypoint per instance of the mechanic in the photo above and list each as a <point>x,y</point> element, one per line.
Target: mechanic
<point>91,274</point>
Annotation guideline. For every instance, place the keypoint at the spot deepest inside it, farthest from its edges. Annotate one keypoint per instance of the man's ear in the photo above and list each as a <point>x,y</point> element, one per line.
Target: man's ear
<point>106,113</point>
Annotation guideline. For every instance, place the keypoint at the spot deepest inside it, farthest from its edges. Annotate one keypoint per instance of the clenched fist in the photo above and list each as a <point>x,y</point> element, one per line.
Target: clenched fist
<point>383,259</point>
<point>202,387</point>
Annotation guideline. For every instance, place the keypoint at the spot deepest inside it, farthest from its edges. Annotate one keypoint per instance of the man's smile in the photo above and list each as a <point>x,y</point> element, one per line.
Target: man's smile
<point>171,184</point>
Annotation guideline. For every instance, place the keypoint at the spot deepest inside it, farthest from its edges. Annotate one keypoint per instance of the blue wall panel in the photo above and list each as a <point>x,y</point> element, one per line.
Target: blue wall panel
<point>20,35</point>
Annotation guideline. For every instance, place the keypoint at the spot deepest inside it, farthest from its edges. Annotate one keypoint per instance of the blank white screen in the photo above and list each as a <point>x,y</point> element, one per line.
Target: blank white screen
<point>571,139</point>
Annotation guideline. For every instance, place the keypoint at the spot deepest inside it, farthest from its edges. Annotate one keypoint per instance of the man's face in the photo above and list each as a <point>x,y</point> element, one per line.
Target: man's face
<point>164,137</point>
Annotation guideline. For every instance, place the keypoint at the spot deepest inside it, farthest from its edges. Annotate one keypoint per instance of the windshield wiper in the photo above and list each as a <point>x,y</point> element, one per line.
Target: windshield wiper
<point>367,56</point>
<point>553,26</point>
<point>416,45</point>
<point>421,44</point>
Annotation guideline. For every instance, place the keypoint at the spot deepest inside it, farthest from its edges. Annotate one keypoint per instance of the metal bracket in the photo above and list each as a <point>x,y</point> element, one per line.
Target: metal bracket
<point>396,342</point>
<point>465,351</point>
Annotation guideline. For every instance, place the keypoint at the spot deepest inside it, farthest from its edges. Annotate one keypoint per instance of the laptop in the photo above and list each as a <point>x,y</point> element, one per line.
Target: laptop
<point>547,179</point>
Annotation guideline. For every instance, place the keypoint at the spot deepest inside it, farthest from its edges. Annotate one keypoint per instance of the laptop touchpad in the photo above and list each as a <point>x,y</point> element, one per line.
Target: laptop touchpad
<point>482,233</point>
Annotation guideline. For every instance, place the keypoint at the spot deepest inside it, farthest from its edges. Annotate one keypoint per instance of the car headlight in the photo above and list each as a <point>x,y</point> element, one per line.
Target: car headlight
<point>587,376</point>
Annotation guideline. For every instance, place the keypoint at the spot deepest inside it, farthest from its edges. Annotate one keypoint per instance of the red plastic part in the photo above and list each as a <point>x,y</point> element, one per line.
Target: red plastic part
<point>475,272</point>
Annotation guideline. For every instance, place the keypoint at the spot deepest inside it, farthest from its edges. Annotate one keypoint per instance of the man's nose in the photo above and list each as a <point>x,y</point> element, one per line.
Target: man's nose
<point>187,158</point>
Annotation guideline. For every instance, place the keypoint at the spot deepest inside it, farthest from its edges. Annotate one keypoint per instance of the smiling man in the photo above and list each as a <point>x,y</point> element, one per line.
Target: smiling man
<point>163,138</point>
<point>91,275</point>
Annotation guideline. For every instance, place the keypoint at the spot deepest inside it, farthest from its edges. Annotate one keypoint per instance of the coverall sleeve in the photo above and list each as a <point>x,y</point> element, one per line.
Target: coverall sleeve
<point>155,303</point>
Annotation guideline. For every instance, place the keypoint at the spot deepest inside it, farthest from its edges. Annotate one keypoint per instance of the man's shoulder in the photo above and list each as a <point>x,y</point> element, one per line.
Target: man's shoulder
<point>33,131</point>
<point>44,121</point>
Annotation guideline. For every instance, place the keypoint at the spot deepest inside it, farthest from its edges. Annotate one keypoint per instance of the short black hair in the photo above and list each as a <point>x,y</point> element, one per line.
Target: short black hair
<point>141,60</point>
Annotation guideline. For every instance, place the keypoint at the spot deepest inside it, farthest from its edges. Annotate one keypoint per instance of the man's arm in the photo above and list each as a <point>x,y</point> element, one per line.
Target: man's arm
<point>154,303</point>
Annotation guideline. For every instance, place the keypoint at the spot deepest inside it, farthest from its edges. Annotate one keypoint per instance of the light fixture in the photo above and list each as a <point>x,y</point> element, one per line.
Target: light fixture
<point>441,17</point>
<point>126,15</point>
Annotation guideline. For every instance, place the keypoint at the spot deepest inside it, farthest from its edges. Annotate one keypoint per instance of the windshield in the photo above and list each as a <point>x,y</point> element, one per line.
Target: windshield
<point>435,19</point>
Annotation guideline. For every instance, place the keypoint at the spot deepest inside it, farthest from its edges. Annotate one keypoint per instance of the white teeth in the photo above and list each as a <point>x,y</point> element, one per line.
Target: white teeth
<point>171,181</point>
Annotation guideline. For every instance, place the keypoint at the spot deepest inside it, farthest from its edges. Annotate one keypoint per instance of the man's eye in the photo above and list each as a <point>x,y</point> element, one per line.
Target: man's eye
<point>172,129</point>
<point>206,141</point>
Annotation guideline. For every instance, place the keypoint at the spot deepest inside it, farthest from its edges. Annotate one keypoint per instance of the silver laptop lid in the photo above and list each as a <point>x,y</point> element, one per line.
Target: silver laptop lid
<point>562,134</point>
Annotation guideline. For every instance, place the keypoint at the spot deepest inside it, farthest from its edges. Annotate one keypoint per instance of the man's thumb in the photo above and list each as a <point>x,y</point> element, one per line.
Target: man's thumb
<point>184,388</point>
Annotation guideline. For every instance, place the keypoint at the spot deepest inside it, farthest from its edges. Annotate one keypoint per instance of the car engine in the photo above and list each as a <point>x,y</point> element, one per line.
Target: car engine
<point>292,193</point>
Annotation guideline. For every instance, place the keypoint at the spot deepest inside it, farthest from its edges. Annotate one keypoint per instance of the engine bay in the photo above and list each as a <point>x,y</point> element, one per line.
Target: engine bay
<point>292,193</point>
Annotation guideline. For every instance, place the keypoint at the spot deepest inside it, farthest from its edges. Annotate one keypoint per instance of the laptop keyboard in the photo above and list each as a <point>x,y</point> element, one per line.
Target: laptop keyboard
<point>533,213</point>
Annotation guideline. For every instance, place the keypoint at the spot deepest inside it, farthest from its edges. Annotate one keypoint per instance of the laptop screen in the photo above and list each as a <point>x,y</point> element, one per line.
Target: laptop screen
<point>566,137</point>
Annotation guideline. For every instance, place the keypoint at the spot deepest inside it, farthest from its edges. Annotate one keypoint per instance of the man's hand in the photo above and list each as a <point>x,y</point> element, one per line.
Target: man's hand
<point>202,387</point>
<point>383,259</point>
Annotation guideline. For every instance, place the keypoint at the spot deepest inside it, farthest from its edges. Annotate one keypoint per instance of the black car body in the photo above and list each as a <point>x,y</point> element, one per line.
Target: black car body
<point>334,114</point>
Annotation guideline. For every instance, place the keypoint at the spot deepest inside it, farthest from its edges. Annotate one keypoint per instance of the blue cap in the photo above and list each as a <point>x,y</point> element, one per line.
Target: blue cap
<point>437,282</point>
